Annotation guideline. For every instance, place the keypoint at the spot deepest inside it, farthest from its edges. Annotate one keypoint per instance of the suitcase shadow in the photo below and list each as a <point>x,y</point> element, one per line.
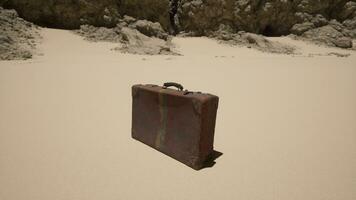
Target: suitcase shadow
<point>210,162</point>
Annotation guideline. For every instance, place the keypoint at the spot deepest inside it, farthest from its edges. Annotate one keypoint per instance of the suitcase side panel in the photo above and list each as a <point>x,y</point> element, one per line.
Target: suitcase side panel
<point>183,130</point>
<point>167,123</point>
<point>209,111</point>
<point>145,116</point>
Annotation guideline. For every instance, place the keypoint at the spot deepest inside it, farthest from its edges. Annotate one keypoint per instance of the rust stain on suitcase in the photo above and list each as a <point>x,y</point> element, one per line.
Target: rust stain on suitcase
<point>163,119</point>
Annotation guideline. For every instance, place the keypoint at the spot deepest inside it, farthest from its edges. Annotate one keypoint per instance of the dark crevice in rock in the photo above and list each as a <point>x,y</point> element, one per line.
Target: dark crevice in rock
<point>173,16</point>
<point>272,31</point>
<point>269,32</point>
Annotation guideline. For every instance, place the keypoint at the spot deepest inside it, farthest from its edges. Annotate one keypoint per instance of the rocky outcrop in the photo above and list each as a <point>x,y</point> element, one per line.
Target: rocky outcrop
<point>135,42</point>
<point>17,37</point>
<point>199,17</point>
<point>271,17</point>
<point>330,33</point>
<point>151,10</point>
<point>225,34</point>
<point>268,17</point>
<point>150,29</point>
<point>329,36</point>
<point>133,36</point>
<point>348,11</point>
<point>96,34</point>
<point>70,14</point>
<point>203,16</point>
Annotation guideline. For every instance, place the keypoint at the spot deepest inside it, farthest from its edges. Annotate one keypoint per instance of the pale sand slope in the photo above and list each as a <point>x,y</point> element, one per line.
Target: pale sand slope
<point>286,125</point>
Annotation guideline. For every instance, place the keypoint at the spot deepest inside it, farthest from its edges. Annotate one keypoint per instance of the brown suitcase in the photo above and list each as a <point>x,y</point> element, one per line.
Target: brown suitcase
<point>177,123</point>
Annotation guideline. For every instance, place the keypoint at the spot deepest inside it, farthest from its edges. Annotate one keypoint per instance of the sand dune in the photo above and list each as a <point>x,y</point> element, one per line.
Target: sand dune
<point>286,123</point>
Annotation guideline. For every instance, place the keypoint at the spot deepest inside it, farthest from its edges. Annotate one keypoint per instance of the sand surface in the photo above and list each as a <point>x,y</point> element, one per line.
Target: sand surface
<point>286,124</point>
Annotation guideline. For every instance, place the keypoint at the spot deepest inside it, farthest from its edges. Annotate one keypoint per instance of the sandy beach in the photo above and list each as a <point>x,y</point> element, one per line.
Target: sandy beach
<point>286,124</point>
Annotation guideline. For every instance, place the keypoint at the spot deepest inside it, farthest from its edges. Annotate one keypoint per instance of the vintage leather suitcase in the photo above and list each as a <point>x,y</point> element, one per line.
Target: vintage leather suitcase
<point>177,123</point>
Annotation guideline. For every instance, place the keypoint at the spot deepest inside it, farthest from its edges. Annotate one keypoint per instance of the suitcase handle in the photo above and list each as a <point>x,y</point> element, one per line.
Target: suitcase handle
<point>172,84</point>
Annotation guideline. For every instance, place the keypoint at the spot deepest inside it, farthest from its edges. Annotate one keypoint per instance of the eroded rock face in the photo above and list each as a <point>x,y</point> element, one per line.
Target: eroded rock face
<point>328,35</point>
<point>150,29</point>
<point>96,34</point>
<point>18,38</point>
<point>134,42</point>
<point>202,16</point>
<point>151,10</point>
<point>272,18</point>
<point>348,11</point>
<point>268,17</point>
<point>198,17</point>
<point>70,14</point>
<point>225,34</point>
<point>132,36</point>
<point>299,29</point>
